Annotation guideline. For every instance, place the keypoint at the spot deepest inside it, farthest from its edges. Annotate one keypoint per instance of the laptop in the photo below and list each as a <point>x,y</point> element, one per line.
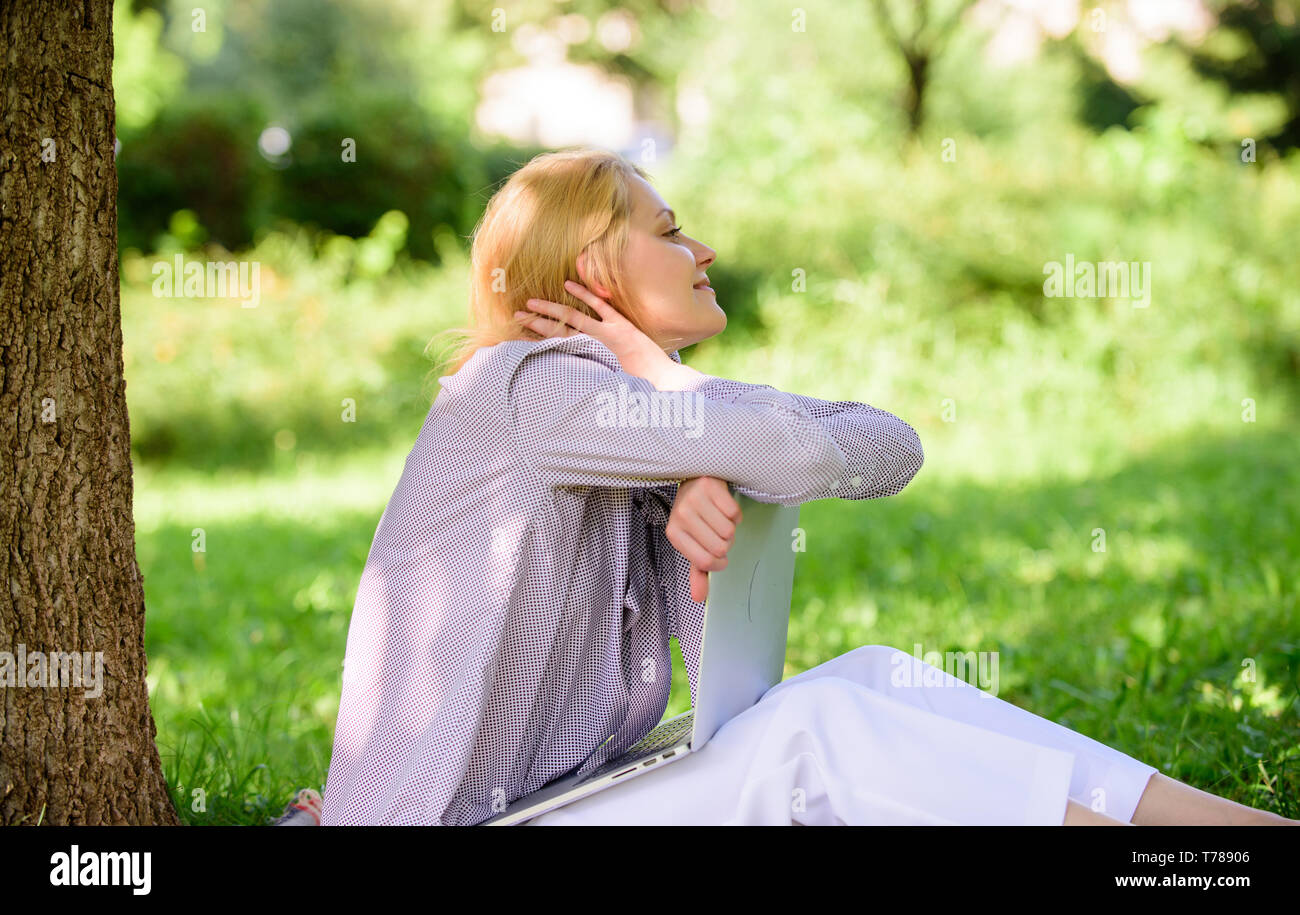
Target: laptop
<point>742,656</point>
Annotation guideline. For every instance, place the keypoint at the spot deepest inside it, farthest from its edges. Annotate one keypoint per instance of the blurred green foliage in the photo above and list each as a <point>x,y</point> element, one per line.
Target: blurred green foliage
<point>1257,52</point>
<point>429,177</point>
<point>200,155</point>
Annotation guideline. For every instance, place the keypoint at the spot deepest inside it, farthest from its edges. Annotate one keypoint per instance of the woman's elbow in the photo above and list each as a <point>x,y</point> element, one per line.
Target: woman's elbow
<point>825,471</point>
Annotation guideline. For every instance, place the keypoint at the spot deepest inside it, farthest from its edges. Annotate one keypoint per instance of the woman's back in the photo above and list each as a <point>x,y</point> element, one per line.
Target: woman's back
<point>486,653</point>
<point>519,595</point>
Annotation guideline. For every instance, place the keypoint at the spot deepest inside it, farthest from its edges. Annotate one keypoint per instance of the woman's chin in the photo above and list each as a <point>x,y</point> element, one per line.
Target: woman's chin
<point>721,323</point>
<point>706,334</point>
<point>708,325</point>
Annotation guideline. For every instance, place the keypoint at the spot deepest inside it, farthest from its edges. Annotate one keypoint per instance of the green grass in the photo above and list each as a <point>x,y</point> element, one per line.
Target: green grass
<point>1043,420</point>
<point>1141,646</point>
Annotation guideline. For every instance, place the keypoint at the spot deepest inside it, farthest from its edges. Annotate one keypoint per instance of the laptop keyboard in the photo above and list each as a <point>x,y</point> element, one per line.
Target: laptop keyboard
<point>661,737</point>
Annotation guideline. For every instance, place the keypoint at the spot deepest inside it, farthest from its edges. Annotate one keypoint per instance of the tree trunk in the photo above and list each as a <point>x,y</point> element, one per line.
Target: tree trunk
<point>71,753</point>
<point>918,68</point>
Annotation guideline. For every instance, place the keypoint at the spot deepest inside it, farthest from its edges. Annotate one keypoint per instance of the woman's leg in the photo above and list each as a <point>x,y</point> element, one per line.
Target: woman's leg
<point>1107,784</point>
<point>1169,802</point>
<point>1101,779</point>
<point>1078,815</point>
<point>821,749</point>
<point>827,751</point>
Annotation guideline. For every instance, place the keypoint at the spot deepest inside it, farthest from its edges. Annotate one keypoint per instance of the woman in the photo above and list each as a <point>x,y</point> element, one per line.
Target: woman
<point>545,541</point>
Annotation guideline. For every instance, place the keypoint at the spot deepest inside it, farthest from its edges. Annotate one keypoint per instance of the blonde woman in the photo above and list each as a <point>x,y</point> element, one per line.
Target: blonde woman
<point>512,621</point>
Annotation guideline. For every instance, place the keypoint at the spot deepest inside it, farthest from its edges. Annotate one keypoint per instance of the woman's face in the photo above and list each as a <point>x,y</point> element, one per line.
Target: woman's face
<point>663,274</point>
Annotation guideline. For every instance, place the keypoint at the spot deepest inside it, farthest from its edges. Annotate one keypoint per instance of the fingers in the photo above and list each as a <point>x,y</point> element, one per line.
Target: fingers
<point>720,511</point>
<point>557,320</point>
<point>699,585</point>
<point>712,500</point>
<point>547,327</point>
<point>686,544</point>
<point>566,314</point>
<point>709,526</point>
<point>601,307</point>
<point>702,524</point>
<point>725,502</point>
<point>698,532</point>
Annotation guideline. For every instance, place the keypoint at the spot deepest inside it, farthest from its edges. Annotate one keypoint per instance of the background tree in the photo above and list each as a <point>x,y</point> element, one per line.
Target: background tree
<point>921,278</point>
<point>1263,56</point>
<point>67,533</point>
<point>920,46</point>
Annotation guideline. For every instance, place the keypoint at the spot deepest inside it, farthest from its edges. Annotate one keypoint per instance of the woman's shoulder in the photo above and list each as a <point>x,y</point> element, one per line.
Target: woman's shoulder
<point>497,366</point>
<point>534,355</point>
<point>528,369</point>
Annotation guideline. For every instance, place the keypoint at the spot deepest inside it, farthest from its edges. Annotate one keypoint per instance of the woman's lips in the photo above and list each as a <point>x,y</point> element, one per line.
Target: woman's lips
<point>703,286</point>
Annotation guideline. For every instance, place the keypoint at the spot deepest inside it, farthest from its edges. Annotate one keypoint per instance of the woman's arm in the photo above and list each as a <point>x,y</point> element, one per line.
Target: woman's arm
<point>580,422</point>
<point>775,447</point>
<point>882,453</point>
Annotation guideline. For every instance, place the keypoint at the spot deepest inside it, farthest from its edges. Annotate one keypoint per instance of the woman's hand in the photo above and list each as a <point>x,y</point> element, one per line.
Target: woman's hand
<point>637,353</point>
<point>702,526</point>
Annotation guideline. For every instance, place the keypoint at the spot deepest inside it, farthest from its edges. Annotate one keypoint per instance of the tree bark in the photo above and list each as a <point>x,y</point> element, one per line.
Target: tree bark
<point>917,69</point>
<point>67,532</point>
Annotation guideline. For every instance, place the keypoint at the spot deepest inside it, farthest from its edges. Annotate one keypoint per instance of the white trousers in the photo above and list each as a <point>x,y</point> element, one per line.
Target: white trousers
<point>853,742</point>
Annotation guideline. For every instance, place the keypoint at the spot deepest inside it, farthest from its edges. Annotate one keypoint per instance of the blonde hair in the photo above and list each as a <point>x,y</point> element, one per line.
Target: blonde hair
<point>530,235</point>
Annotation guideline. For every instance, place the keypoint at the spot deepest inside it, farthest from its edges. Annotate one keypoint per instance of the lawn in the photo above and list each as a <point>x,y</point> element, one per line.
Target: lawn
<point>1179,644</point>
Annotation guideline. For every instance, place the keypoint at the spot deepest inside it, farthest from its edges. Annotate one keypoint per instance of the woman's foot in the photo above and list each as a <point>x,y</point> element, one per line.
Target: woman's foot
<point>303,810</point>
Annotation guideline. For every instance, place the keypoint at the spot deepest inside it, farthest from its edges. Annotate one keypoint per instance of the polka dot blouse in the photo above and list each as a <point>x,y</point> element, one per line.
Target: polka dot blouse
<point>512,620</point>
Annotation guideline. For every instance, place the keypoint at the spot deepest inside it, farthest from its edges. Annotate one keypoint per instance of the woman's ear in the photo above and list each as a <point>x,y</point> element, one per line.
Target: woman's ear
<point>585,277</point>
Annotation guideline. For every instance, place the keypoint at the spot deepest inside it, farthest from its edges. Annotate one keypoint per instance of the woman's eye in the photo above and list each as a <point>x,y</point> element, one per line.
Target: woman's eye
<point>674,231</point>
